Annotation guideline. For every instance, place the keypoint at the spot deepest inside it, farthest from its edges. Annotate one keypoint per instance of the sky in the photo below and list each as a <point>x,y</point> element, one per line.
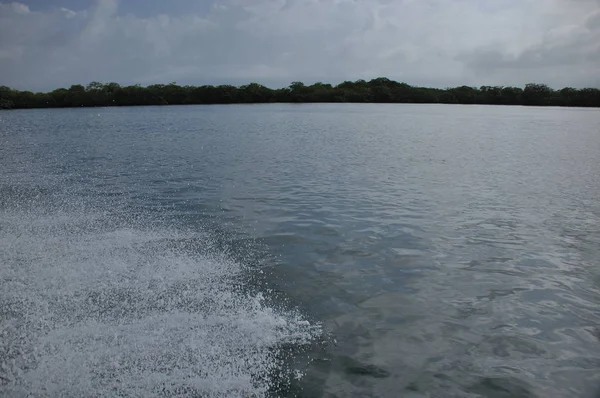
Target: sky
<point>45,44</point>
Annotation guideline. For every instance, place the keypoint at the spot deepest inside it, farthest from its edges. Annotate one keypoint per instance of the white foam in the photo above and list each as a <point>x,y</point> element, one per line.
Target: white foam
<point>93,308</point>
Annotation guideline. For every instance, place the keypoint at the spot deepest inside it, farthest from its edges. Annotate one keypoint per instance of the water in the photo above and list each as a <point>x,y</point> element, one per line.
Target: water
<point>300,250</point>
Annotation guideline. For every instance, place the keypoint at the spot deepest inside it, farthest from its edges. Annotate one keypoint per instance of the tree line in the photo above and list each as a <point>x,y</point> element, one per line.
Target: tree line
<point>380,90</point>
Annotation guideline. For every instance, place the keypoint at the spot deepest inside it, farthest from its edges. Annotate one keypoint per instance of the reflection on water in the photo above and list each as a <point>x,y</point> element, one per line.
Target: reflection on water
<point>446,250</point>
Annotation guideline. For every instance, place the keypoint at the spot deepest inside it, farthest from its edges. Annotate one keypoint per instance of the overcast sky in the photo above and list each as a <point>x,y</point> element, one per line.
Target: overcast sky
<point>46,44</point>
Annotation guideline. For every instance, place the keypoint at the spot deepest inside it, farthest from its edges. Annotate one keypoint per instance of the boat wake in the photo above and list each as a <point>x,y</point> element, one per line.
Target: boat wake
<point>93,306</point>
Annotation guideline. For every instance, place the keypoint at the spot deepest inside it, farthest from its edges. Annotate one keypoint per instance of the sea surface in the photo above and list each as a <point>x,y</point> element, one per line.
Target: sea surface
<point>300,251</point>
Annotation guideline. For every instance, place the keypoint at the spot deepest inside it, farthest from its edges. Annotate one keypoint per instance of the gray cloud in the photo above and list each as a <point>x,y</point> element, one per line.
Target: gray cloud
<point>423,42</point>
<point>565,55</point>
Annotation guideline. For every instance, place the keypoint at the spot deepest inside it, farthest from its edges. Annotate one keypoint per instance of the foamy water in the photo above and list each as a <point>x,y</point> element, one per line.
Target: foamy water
<point>94,307</point>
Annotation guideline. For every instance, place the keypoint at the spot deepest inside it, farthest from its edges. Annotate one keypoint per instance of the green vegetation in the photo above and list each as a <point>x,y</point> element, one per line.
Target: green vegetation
<point>380,90</point>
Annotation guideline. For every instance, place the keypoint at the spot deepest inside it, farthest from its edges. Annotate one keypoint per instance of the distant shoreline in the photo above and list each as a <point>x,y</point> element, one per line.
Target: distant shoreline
<point>380,90</point>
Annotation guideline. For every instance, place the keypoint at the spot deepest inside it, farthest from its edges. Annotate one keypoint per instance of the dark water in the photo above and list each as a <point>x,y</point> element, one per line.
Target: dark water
<point>311,250</point>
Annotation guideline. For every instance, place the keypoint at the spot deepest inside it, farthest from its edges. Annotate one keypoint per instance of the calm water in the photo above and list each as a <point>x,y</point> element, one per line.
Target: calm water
<point>300,250</point>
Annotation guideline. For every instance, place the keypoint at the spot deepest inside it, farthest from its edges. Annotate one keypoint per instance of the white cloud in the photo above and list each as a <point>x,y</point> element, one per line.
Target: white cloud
<point>19,8</point>
<point>68,13</point>
<point>422,42</point>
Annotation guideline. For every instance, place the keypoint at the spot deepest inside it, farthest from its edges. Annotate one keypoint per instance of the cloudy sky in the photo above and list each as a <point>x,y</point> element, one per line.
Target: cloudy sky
<point>46,44</point>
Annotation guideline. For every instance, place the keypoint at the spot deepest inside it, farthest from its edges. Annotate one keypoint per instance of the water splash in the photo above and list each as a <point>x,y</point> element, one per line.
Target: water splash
<point>93,306</point>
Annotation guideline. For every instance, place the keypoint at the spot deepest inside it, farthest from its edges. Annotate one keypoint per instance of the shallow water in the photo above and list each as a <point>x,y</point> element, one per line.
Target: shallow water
<point>300,250</point>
